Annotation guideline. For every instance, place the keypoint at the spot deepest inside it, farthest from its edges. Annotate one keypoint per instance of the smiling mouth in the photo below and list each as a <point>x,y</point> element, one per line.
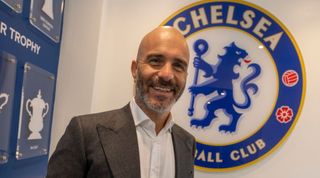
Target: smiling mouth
<point>163,89</point>
<point>162,92</point>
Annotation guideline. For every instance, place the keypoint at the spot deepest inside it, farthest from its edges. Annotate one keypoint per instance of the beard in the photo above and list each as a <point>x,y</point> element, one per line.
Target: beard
<point>161,106</point>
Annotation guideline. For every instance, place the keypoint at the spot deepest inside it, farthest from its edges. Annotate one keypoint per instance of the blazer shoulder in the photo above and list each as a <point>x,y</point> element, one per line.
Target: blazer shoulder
<point>112,118</point>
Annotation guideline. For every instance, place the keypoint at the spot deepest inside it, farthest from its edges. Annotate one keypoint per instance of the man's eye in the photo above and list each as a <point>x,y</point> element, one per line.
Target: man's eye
<point>179,67</point>
<point>154,61</point>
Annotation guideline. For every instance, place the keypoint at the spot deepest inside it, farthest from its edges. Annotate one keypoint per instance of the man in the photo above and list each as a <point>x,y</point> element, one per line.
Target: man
<point>140,139</point>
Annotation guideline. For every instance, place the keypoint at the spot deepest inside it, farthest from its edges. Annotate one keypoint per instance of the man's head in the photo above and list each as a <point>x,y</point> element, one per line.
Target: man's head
<point>160,69</point>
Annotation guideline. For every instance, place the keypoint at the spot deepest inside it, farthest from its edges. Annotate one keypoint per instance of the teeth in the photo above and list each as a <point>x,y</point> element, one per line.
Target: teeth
<point>163,89</point>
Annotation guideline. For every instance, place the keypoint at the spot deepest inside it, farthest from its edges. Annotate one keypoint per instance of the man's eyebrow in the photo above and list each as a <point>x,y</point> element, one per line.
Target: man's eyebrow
<point>182,61</point>
<point>155,55</point>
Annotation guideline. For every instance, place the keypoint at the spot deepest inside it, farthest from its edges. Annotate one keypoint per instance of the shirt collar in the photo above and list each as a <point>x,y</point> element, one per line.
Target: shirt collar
<point>141,119</point>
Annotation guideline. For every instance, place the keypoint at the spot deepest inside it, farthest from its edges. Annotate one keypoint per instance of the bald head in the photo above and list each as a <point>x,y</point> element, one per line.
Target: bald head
<point>163,35</point>
<point>160,71</point>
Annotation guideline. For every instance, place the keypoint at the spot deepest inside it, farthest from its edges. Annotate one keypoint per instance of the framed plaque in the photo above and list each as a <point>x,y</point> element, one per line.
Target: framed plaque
<point>35,112</point>
<point>15,5</point>
<point>8,67</point>
<point>46,16</point>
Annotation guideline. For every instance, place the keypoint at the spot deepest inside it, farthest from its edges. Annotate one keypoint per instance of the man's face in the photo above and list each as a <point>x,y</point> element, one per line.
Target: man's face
<point>160,75</point>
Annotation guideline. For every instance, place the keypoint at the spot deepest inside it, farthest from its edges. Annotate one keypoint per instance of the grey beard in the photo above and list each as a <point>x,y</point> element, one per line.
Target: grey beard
<point>142,95</point>
<point>144,98</point>
<point>159,109</point>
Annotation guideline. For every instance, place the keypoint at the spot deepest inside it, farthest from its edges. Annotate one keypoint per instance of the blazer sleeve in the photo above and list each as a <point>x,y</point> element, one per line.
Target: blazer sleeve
<point>69,160</point>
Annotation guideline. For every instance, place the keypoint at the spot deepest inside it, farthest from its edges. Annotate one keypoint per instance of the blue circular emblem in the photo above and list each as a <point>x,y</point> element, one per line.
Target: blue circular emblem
<point>246,82</point>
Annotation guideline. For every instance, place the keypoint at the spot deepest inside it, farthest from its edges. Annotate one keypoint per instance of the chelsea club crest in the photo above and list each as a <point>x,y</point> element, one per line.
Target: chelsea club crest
<point>246,83</point>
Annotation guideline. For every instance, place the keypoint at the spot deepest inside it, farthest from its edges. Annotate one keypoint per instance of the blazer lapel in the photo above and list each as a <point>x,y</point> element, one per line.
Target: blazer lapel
<point>182,151</point>
<point>119,141</point>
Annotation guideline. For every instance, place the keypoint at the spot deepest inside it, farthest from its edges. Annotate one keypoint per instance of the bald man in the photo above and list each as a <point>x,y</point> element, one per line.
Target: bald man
<point>141,139</point>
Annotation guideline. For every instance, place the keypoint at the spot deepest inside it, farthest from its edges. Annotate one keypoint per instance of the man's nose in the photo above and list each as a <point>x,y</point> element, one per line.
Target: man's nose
<point>166,72</point>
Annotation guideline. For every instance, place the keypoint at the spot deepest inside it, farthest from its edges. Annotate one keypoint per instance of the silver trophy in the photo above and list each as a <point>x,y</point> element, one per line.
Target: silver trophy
<point>6,99</point>
<point>48,8</point>
<point>39,110</point>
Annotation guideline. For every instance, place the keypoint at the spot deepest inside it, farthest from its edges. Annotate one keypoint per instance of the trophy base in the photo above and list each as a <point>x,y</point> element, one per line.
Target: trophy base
<point>34,136</point>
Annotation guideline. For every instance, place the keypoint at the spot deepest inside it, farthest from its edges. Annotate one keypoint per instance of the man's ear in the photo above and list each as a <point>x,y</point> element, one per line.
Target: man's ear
<point>134,68</point>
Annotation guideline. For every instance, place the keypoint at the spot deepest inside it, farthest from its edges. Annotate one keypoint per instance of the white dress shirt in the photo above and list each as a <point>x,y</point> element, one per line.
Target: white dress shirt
<point>156,152</point>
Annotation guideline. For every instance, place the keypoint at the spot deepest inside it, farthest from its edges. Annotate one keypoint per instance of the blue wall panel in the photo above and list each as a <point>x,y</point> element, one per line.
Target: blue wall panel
<point>16,30</point>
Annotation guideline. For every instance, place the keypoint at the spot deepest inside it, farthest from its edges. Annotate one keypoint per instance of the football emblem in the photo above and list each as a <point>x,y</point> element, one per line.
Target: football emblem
<point>246,82</point>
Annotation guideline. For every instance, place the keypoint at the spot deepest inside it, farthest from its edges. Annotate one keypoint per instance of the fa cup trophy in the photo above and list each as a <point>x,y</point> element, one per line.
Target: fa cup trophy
<point>39,111</point>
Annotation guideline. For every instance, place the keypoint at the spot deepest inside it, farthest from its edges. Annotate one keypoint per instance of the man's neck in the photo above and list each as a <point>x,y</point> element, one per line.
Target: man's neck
<point>160,119</point>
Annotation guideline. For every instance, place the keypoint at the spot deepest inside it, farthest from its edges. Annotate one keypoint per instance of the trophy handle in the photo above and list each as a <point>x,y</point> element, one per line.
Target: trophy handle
<point>27,107</point>
<point>6,99</point>
<point>47,109</point>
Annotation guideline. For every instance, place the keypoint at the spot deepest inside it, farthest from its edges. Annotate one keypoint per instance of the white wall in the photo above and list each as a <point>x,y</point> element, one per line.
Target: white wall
<point>77,63</point>
<point>100,39</point>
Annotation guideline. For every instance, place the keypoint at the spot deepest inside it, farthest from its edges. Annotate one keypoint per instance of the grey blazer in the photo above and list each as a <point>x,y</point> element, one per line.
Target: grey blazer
<point>105,145</point>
